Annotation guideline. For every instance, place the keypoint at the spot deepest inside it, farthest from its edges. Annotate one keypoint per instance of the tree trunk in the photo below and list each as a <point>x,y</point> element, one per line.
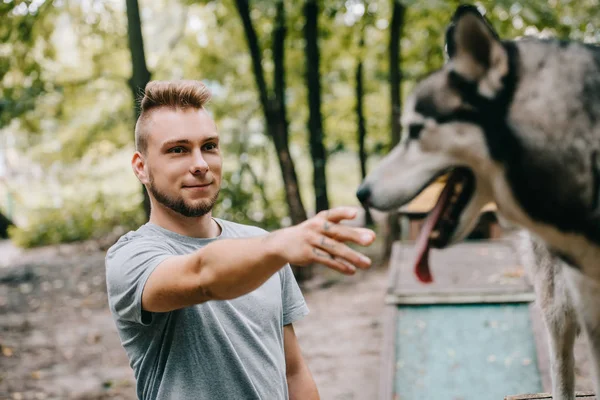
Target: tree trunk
<point>140,75</point>
<point>280,122</point>
<point>315,120</point>
<point>274,106</point>
<point>396,26</point>
<point>4,224</point>
<point>360,116</point>
<point>274,109</point>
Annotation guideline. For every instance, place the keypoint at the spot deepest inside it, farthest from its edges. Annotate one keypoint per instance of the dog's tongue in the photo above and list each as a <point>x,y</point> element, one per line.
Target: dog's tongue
<point>423,244</point>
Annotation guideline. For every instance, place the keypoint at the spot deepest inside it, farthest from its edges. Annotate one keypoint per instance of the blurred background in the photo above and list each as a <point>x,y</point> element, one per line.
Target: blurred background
<point>307,96</point>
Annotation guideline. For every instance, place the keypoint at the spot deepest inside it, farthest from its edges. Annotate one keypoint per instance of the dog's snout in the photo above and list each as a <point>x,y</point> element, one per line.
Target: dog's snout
<point>363,193</point>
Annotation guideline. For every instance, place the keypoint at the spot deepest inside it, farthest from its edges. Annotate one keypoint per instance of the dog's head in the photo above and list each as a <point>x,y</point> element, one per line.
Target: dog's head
<point>445,120</point>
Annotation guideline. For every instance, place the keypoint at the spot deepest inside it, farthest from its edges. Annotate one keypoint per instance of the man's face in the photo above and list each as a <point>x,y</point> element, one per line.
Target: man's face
<point>183,160</point>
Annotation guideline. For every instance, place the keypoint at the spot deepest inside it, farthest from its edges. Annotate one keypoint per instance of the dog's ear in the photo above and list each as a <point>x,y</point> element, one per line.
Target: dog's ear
<point>450,46</point>
<point>475,50</point>
<point>460,12</point>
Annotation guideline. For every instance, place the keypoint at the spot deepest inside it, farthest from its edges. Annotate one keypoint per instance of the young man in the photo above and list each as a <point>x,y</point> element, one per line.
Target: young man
<point>204,307</point>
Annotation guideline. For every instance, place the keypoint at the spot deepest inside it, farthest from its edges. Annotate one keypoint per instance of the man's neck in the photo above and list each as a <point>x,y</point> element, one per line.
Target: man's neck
<point>198,227</point>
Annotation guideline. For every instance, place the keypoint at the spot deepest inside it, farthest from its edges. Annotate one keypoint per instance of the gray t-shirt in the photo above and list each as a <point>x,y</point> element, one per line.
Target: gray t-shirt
<point>229,349</point>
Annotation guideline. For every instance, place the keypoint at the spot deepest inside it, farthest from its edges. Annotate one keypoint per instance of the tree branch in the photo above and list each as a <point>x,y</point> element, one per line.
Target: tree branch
<point>244,11</point>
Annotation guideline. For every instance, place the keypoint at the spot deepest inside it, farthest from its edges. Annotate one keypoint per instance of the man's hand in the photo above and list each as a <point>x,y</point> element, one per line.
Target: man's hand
<point>321,239</point>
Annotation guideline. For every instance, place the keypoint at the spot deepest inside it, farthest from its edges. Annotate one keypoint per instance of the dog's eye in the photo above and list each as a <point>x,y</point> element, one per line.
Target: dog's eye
<point>414,131</point>
<point>460,83</point>
<point>466,106</point>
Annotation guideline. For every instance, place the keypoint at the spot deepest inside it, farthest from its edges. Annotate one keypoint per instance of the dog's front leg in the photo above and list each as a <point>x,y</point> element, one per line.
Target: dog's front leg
<point>558,312</point>
<point>561,324</point>
<point>586,295</point>
<point>562,329</point>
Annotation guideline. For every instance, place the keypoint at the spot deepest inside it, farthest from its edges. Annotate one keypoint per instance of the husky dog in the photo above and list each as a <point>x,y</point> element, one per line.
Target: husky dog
<point>516,123</point>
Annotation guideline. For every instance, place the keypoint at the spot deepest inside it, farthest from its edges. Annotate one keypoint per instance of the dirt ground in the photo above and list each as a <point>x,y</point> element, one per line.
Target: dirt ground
<point>58,341</point>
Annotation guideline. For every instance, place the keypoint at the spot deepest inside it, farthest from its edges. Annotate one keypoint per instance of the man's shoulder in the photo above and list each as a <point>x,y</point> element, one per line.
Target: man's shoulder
<point>235,229</point>
<point>141,236</point>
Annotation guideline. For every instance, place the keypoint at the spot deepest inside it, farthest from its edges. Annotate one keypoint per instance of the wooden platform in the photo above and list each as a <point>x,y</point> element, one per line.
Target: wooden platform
<point>465,351</point>
<point>469,272</point>
<point>463,334</point>
<point>548,396</point>
<point>472,276</point>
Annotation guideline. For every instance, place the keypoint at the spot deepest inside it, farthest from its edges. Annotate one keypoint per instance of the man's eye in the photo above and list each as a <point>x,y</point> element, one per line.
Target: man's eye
<point>210,146</point>
<point>177,150</point>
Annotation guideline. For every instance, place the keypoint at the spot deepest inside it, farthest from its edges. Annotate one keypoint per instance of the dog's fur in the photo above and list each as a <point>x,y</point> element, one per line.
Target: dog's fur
<point>547,274</point>
<point>524,117</point>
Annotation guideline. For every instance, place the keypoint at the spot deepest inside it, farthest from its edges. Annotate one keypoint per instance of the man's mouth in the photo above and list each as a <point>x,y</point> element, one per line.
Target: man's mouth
<point>442,221</point>
<point>197,186</point>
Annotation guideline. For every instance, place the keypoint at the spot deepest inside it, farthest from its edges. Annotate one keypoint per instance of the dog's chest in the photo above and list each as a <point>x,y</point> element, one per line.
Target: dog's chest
<point>583,254</point>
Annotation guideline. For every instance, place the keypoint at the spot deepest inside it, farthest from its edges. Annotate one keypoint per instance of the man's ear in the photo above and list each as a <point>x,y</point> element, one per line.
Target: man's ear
<point>138,164</point>
<point>475,50</point>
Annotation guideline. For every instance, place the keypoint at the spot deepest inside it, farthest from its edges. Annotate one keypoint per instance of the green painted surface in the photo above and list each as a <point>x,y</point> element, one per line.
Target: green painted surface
<point>463,352</point>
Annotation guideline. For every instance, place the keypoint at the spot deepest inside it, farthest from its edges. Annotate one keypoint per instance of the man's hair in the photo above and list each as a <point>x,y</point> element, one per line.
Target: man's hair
<point>176,95</point>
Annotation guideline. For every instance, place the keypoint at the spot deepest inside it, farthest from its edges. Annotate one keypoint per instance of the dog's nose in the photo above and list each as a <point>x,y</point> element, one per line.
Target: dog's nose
<point>363,193</point>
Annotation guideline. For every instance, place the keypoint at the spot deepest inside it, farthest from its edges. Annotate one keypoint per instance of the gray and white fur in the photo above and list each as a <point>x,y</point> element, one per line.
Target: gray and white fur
<point>546,271</point>
<point>524,117</point>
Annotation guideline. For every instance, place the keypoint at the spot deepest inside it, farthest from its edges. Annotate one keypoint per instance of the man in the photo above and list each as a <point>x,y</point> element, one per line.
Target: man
<point>205,307</point>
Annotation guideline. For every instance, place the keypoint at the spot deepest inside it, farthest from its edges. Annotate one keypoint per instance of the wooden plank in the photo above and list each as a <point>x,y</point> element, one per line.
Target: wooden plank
<point>393,270</point>
<point>466,351</point>
<point>548,396</point>
<point>481,270</point>
<point>539,332</point>
<point>459,298</point>
<point>387,368</point>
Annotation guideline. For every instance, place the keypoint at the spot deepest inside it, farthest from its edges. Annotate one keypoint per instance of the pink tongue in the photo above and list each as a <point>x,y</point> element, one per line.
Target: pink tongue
<point>422,262</point>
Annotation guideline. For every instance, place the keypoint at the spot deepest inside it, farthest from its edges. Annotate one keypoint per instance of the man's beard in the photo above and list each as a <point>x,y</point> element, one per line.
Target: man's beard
<point>179,205</point>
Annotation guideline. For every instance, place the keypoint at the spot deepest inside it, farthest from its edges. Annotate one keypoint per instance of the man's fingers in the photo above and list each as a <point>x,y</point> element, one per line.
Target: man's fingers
<point>338,214</point>
<point>329,246</point>
<point>344,233</point>
<point>333,262</point>
<point>337,250</point>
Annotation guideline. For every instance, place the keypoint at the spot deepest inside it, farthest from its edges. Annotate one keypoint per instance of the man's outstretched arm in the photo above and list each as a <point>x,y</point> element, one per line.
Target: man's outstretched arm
<point>229,268</point>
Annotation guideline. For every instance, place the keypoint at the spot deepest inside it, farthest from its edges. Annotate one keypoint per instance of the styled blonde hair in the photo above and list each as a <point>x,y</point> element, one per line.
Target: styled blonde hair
<point>176,95</point>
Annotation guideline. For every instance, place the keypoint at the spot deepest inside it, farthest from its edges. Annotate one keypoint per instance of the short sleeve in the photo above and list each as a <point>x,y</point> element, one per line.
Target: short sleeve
<point>129,264</point>
<point>294,306</point>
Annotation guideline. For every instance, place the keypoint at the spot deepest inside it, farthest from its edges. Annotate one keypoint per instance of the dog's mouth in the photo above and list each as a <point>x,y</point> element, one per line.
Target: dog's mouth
<point>442,221</point>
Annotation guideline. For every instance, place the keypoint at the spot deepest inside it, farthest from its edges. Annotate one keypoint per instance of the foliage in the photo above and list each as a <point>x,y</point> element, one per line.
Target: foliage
<point>106,213</point>
<point>241,203</point>
<point>75,221</point>
<point>65,107</point>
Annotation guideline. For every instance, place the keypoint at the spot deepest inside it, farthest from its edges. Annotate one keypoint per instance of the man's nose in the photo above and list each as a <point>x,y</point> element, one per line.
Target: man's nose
<point>199,164</point>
